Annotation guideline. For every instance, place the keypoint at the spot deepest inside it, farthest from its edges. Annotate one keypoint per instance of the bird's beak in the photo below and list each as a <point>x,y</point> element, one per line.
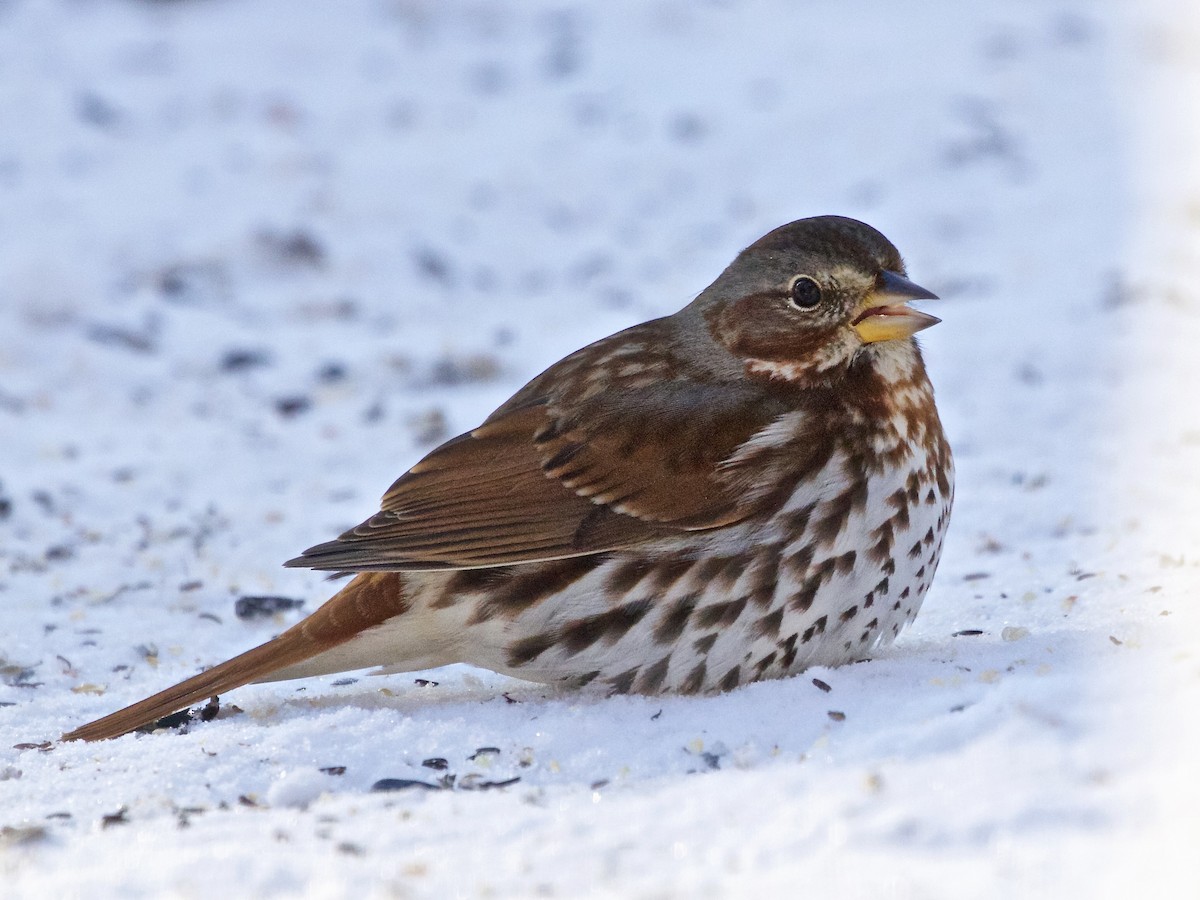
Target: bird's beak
<point>886,317</point>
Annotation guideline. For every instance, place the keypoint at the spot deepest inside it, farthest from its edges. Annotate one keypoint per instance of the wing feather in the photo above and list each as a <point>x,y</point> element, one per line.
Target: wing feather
<point>564,471</point>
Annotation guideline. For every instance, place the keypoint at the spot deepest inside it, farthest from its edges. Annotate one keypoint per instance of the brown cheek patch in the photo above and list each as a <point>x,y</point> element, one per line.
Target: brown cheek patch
<point>760,326</point>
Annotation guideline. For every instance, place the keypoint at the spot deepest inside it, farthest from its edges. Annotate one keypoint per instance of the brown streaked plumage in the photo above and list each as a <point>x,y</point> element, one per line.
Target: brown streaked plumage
<point>753,485</point>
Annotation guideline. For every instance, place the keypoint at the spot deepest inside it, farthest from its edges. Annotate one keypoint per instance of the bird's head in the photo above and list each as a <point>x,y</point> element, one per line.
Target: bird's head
<point>811,298</point>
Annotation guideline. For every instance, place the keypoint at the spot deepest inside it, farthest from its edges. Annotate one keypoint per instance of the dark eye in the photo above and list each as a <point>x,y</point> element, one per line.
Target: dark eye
<point>806,293</point>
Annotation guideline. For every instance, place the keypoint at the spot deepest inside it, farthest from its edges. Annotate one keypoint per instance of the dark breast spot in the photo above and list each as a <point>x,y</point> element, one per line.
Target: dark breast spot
<point>709,568</point>
<point>528,649</point>
<point>609,627</point>
<point>720,613</point>
<point>799,561</point>
<point>788,646</point>
<point>734,567</point>
<point>622,683</point>
<point>765,576</point>
<point>704,644</point>
<point>796,522</point>
<point>882,548</point>
<point>732,679</point>
<point>626,575</point>
<point>844,564</point>
<point>653,677</point>
<point>802,600</point>
<point>672,623</point>
<point>912,488</point>
<point>528,586</point>
<point>837,514</point>
<point>465,582</point>
<point>473,581</point>
<point>695,679</point>
<point>768,625</point>
<point>667,572</point>
<point>943,481</point>
<point>817,627</point>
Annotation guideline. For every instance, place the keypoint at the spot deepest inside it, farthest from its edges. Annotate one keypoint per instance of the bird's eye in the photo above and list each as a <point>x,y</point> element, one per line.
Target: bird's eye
<point>805,293</point>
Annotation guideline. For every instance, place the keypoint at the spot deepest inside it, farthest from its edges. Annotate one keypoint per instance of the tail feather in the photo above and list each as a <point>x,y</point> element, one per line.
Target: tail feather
<point>228,675</point>
<point>368,600</point>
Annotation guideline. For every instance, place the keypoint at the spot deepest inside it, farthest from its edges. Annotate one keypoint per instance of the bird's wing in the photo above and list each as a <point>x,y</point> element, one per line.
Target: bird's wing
<point>544,478</point>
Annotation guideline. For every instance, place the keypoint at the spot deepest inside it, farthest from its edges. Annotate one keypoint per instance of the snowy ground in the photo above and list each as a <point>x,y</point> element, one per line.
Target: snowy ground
<point>256,257</point>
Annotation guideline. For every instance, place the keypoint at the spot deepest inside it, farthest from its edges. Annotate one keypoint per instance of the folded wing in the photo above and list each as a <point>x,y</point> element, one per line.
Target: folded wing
<point>548,479</point>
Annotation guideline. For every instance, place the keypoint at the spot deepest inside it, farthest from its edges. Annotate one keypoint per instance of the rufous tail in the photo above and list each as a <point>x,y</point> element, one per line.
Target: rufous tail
<point>368,600</point>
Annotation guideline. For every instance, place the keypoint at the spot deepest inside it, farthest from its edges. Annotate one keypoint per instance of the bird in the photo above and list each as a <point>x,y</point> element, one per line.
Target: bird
<point>753,485</point>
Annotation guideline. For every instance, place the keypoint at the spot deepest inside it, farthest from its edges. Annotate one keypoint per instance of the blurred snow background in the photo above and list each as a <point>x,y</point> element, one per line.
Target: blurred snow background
<point>256,257</point>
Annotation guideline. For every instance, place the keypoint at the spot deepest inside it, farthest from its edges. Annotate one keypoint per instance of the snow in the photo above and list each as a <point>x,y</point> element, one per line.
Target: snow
<point>259,256</point>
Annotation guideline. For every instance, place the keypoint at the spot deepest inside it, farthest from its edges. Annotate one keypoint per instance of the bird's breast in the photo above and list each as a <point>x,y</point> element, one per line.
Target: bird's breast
<point>836,569</point>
